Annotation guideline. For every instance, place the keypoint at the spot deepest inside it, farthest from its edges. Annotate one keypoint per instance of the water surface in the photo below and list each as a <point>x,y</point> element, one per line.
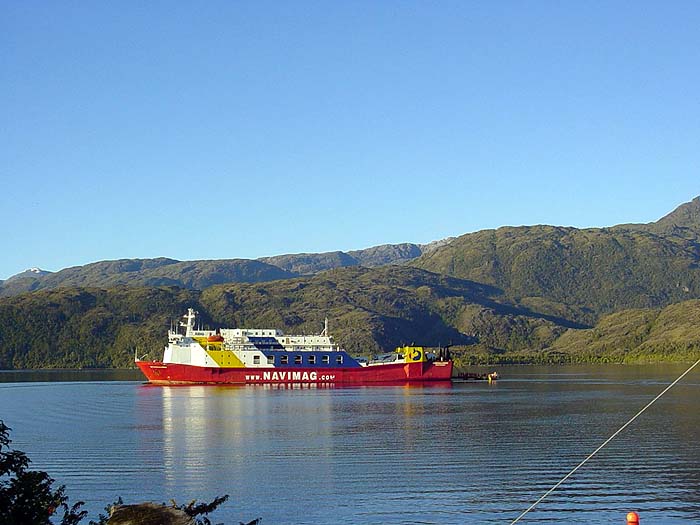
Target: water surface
<point>465,453</point>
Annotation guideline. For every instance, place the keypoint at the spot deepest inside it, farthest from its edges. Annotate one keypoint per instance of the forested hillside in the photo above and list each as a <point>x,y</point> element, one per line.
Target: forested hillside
<point>535,293</point>
<point>82,327</point>
<point>668,334</point>
<point>194,275</point>
<point>369,310</point>
<point>580,274</point>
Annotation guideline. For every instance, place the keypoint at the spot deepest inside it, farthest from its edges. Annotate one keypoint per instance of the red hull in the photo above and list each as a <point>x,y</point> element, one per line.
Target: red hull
<point>173,374</point>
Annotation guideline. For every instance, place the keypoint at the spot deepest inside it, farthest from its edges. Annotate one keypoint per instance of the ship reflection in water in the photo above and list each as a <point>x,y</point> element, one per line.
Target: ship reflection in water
<point>217,436</point>
<point>243,438</point>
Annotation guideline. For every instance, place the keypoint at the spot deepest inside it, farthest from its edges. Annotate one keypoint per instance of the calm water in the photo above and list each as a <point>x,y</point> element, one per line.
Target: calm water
<point>466,453</point>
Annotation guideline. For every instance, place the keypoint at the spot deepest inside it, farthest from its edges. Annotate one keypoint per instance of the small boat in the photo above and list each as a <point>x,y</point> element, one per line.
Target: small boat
<point>267,356</point>
<point>492,376</point>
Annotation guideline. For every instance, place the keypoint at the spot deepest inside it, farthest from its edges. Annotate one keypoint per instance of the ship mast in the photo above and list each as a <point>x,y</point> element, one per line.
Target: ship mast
<point>189,326</point>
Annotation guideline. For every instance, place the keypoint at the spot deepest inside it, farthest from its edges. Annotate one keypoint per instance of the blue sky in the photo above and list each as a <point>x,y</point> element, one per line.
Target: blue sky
<point>245,129</point>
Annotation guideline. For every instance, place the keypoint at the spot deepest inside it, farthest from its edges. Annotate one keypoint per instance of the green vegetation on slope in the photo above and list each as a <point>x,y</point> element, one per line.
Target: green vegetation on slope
<point>378,309</point>
<point>370,310</point>
<point>500,295</point>
<point>640,335</point>
<point>312,263</point>
<point>576,274</point>
<point>684,222</point>
<point>671,334</point>
<point>195,275</point>
<point>74,328</point>
<point>198,275</point>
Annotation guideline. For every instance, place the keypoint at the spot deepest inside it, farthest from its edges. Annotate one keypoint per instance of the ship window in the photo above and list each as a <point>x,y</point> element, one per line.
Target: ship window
<point>284,359</point>
<point>326,359</point>
<point>312,359</point>
<point>339,359</point>
<point>256,359</point>
<point>297,359</point>
<point>271,360</point>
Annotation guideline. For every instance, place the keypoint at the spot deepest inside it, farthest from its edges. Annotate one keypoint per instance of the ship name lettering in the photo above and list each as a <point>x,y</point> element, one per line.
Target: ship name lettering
<point>290,376</point>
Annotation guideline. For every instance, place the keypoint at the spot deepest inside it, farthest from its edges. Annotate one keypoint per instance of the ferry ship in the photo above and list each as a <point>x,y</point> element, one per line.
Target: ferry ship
<point>267,356</point>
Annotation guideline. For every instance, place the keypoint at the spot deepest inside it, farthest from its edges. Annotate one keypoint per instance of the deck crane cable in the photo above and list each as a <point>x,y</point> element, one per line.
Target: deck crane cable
<point>516,520</point>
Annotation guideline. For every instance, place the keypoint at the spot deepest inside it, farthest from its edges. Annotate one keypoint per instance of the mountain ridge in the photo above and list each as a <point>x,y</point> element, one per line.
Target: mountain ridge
<point>681,223</point>
<point>581,273</point>
<point>159,271</point>
<point>140,272</point>
<point>499,293</point>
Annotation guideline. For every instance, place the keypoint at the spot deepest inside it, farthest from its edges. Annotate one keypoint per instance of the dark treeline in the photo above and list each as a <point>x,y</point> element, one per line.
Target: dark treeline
<point>370,310</point>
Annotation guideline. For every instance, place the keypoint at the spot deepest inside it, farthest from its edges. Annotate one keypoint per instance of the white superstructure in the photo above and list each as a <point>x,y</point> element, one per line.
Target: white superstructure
<point>236,347</point>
